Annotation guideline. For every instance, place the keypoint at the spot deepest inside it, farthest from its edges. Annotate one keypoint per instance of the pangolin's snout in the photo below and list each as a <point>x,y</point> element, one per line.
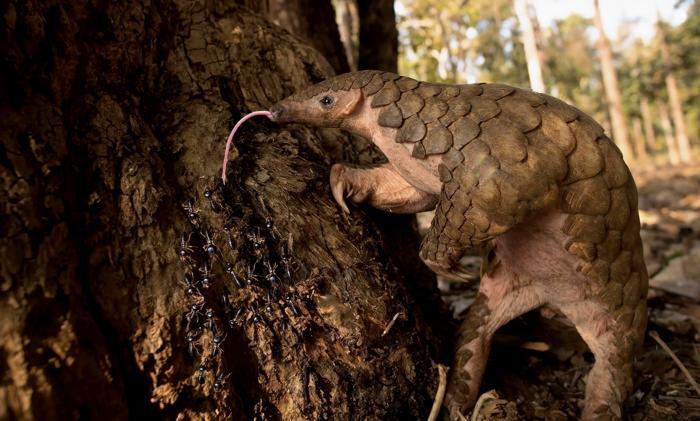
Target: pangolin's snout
<point>278,113</point>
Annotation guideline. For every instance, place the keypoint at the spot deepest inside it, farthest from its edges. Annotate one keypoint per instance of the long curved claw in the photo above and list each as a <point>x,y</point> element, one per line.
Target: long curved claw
<point>338,186</point>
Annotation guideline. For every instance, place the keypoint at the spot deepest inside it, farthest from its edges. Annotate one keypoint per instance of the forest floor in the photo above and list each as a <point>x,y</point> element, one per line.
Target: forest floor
<point>538,363</point>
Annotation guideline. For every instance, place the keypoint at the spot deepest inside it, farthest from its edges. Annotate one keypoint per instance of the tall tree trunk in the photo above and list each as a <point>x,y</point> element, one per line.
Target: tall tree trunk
<point>539,39</point>
<point>671,144</point>
<point>640,147</point>
<point>648,125</point>
<point>379,42</point>
<point>532,55</point>
<point>314,22</point>
<point>612,89</point>
<point>674,99</point>
<point>348,25</point>
<point>111,131</point>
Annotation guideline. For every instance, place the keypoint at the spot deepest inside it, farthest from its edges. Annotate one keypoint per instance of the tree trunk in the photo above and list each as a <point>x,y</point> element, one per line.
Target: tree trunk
<point>314,22</point>
<point>540,39</point>
<point>639,142</point>
<point>348,25</point>
<point>674,100</point>
<point>648,125</point>
<point>532,55</point>
<point>612,89</point>
<point>379,42</point>
<point>112,130</point>
<point>671,144</point>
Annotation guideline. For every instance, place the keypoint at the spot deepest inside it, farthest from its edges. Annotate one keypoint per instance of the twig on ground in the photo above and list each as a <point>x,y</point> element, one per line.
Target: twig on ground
<point>678,362</point>
<point>440,394</point>
<point>487,396</point>
<point>391,323</point>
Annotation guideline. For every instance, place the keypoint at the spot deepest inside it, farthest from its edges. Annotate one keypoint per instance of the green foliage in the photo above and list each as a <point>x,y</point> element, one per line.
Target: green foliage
<point>452,41</point>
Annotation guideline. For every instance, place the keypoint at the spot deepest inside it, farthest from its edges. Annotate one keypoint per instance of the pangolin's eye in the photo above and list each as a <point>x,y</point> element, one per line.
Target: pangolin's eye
<point>326,101</point>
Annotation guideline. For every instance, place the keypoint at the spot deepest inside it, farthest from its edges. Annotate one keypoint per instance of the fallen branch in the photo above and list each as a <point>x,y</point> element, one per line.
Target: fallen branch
<point>440,394</point>
<point>678,362</point>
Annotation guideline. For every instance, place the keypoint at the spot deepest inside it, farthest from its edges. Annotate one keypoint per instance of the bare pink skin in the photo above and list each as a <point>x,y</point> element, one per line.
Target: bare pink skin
<point>233,132</point>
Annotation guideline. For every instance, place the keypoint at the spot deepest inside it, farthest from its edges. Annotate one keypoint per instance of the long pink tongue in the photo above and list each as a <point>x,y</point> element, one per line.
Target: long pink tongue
<point>230,136</point>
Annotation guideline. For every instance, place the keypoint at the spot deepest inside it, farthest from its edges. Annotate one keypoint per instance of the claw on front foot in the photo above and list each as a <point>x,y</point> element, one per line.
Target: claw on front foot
<point>338,186</point>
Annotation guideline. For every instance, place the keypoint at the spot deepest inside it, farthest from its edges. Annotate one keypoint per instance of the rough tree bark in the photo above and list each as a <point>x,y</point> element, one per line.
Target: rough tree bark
<point>379,43</point>
<point>113,118</point>
<point>314,22</point>
<point>612,88</point>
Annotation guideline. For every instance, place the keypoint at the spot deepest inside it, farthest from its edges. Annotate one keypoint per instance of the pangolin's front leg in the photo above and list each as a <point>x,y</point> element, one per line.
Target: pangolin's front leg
<point>442,247</point>
<point>381,187</point>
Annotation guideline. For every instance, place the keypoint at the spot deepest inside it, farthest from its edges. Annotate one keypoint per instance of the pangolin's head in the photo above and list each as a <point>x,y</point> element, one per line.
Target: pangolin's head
<point>325,104</point>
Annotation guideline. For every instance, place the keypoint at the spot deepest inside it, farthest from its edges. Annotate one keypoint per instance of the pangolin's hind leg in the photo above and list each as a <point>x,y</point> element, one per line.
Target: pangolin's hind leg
<point>381,187</point>
<point>503,296</point>
<point>613,341</point>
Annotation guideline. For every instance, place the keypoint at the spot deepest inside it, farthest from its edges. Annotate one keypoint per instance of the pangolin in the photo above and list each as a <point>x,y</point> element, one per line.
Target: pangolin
<point>532,183</point>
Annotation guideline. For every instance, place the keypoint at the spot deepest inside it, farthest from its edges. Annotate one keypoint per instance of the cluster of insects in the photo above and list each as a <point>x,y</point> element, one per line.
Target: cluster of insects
<point>240,262</point>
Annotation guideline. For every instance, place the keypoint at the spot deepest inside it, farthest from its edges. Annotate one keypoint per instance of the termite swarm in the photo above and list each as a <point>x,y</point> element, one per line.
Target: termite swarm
<point>234,278</point>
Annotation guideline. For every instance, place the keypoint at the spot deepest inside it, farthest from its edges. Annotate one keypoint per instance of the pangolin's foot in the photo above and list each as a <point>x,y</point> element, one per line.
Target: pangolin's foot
<point>381,187</point>
<point>442,256</point>
<point>448,270</point>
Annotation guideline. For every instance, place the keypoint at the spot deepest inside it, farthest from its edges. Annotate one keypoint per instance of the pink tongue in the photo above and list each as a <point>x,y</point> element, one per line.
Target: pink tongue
<point>230,136</point>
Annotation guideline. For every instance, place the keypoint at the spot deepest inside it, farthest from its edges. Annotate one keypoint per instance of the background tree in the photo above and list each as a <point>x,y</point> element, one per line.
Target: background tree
<point>649,133</point>
<point>348,25</point>
<point>674,97</point>
<point>378,38</point>
<point>532,54</point>
<point>684,46</point>
<point>574,74</point>
<point>612,89</point>
<point>312,21</point>
<point>671,144</point>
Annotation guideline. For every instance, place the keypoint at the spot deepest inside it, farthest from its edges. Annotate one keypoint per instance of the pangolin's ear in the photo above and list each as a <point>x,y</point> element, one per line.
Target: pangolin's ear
<point>351,101</point>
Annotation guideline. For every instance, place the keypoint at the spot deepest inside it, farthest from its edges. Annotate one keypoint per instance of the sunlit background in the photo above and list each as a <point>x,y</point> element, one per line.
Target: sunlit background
<point>484,41</point>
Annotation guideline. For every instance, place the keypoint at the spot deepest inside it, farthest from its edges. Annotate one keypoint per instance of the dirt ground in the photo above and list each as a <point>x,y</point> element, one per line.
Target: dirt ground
<point>539,363</point>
